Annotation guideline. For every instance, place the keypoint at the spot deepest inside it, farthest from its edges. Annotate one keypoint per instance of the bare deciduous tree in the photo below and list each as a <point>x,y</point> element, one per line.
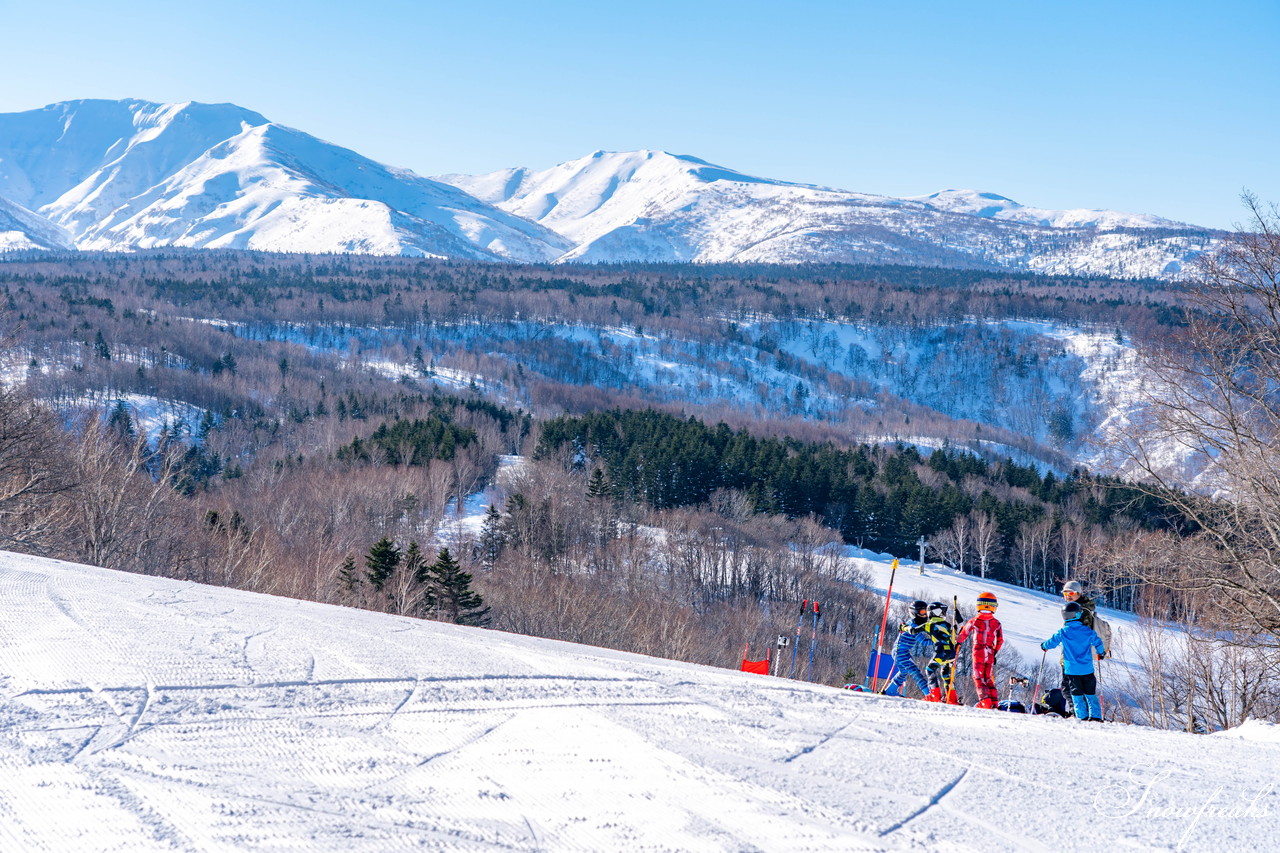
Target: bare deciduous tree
<point>30,473</point>
<point>120,508</point>
<point>986,538</point>
<point>1216,397</point>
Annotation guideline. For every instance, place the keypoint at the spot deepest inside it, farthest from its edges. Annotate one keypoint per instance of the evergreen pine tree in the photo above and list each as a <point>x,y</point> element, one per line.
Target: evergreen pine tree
<point>492,538</point>
<point>452,588</point>
<point>121,421</point>
<point>381,562</point>
<point>597,486</point>
<point>100,348</point>
<point>348,577</point>
<point>416,569</point>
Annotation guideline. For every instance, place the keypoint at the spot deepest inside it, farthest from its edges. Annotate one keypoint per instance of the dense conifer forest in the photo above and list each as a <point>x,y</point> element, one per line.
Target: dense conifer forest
<point>878,497</point>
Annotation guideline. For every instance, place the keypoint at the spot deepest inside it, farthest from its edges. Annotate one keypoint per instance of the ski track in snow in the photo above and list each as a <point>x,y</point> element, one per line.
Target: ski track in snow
<point>139,714</point>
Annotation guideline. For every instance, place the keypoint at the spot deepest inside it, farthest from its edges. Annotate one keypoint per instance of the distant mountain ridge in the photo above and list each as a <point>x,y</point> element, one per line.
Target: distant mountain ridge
<point>131,174</point>
<point>655,206</point>
<point>121,175</point>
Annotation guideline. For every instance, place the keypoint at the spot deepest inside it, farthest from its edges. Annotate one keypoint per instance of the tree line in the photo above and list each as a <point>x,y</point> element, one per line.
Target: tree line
<point>878,497</point>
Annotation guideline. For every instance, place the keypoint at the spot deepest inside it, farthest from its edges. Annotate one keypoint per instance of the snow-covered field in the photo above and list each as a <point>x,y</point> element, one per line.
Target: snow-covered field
<point>147,714</point>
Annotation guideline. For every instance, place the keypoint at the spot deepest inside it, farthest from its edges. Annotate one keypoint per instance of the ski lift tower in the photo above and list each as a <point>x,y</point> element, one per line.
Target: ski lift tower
<point>923,544</point>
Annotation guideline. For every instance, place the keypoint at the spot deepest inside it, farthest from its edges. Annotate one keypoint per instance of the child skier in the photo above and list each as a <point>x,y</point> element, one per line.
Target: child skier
<point>1078,642</point>
<point>941,670</point>
<point>988,637</point>
<point>912,641</point>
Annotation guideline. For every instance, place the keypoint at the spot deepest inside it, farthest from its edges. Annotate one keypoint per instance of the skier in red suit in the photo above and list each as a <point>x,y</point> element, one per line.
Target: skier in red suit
<point>988,637</point>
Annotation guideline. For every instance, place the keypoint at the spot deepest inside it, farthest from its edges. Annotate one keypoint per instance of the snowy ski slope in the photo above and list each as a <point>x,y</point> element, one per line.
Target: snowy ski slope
<point>142,714</point>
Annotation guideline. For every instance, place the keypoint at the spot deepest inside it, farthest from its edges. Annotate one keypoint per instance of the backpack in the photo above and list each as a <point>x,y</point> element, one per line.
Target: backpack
<point>1052,702</point>
<point>1103,629</point>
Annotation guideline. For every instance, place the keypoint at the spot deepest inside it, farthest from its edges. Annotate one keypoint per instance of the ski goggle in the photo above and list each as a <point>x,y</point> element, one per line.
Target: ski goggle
<point>987,606</point>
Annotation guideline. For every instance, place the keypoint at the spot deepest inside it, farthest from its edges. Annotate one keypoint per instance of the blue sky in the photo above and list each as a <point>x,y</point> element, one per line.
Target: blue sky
<point>1169,108</point>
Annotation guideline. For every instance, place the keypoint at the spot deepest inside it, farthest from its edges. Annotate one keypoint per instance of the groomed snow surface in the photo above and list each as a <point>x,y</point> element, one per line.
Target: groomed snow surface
<point>148,714</point>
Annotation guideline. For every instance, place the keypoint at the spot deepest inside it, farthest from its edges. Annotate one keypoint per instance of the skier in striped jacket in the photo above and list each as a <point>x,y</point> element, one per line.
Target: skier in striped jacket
<point>912,641</point>
<point>988,637</point>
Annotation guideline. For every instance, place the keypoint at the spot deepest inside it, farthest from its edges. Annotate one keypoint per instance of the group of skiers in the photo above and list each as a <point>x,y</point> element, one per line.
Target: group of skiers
<point>929,631</point>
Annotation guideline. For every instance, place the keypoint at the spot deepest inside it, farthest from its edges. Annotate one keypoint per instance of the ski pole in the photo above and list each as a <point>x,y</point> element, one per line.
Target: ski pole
<point>1097,667</point>
<point>795,648</point>
<point>813,641</point>
<point>955,626</point>
<point>884,620</point>
<point>888,679</point>
<point>1035,694</point>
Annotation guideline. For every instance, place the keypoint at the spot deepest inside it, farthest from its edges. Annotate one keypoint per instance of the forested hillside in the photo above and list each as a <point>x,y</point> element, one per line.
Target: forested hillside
<point>312,426</point>
<point>883,498</point>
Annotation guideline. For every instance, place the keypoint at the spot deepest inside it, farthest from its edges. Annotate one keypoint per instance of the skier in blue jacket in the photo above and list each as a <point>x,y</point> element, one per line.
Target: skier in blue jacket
<point>912,641</point>
<point>1079,642</point>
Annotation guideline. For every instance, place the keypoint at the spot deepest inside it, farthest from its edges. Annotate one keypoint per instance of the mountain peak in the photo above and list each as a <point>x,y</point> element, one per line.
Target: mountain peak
<point>139,174</point>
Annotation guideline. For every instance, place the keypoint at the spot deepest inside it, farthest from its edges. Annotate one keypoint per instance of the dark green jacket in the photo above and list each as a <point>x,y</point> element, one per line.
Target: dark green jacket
<point>1088,610</point>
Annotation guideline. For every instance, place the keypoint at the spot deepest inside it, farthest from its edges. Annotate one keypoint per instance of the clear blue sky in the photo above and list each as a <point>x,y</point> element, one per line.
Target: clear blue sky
<point>1169,108</point>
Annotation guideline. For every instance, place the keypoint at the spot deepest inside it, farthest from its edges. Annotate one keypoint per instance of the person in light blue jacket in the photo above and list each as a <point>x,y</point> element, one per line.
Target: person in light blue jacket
<point>1079,642</point>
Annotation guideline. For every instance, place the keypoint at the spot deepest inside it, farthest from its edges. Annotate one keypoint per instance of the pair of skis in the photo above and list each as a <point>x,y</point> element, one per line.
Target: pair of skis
<point>813,640</point>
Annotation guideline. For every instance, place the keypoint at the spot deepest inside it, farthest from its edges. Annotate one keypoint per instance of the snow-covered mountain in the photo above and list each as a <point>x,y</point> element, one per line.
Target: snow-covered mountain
<point>139,713</point>
<point>655,206</point>
<point>21,229</point>
<point>134,174</point>
<point>131,174</point>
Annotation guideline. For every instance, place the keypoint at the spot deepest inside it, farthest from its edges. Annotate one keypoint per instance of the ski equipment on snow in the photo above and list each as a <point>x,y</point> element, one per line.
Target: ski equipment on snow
<point>783,642</point>
<point>955,663</point>
<point>1035,694</point>
<point>795,647</point>
<point>1011,704</point>
<point>757,666</point>
<point>884,620</point>
<point>813,642</point>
